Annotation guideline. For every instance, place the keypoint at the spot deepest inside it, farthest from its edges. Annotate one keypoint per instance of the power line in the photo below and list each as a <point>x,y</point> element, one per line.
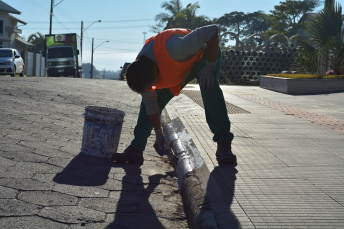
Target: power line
<point>99,28</point>
<point>133,42</point>
<point>119,49</point>
<point>61,24</point>
<point>62,11</point>
<point>65,14</point>
<point>77,29</point>
<point>120,27</point>
<point>78,22</point>
<point>33,2</point>
<point>69,15</point>
<point>107,52</point>
<point>88,42</point>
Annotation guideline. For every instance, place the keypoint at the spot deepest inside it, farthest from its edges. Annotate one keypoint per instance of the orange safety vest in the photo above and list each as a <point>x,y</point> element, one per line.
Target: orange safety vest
<point>172,74</point>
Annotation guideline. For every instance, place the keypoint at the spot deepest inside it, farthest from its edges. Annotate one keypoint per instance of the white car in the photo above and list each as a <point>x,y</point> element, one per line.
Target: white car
<point>11,62</point>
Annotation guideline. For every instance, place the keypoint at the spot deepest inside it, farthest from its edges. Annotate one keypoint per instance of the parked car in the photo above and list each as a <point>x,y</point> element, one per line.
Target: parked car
<point>124,69</point>
<point>11,62</point>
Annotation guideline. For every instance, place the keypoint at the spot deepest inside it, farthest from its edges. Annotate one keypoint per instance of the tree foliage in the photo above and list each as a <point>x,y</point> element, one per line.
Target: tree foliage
<point>38,40</point>
<point>179,17</point>
<point>187,18</point>
<point>285,18</point>
<point>233,22</point>
<point>326,38</point>
<point>86,70</point>
<point>172,8</point>
<point>242,24</point>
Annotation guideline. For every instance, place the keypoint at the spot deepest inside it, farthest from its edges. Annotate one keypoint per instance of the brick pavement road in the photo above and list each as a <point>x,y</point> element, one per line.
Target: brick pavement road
<point>46,183</point>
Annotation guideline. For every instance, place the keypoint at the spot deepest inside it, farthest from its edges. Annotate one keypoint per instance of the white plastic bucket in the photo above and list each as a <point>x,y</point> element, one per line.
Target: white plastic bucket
<point>102,131</point>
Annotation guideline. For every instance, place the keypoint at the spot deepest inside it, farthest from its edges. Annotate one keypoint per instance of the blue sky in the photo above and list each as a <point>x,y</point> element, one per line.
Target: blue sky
<point>123,22</point>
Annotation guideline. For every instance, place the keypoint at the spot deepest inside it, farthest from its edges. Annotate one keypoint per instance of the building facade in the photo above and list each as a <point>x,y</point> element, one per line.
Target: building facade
<point>9,29</point>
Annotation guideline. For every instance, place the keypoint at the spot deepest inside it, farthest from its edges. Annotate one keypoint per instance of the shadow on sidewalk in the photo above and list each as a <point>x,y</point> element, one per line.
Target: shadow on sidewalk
<point>85,170</point>
<point>224,176</point>
<point>133,207</point>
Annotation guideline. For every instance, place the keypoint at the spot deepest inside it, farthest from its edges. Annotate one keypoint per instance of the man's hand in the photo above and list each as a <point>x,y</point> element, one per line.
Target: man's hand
<point>206,76</point>
<point>160,139</point>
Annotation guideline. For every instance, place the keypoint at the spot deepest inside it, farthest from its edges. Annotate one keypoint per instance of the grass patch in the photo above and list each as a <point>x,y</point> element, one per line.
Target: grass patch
<point>194,81</point>
<point>307,76</point>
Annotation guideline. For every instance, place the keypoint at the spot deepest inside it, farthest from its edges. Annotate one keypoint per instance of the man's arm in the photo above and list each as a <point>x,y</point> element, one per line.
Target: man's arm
<point>159,136</point>
<point>155,120</point>
<point>212,47</point>
<point>184,47</point>
<point>153,111</point>
<point>206,76</point>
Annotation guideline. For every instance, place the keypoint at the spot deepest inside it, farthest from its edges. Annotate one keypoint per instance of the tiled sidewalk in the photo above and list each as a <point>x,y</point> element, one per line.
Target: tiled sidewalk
<point>290,153</point>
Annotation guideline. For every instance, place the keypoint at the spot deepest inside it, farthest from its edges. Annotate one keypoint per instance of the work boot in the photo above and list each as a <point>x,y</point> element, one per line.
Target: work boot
<point>130,155</point>
<point>224,153</point>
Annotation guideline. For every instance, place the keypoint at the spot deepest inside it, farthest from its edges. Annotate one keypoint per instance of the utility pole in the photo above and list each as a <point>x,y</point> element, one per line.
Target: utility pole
<point>92,59</point>
<point>144,37</point>
<point>92,55</point>
<point>81,34</point>
<point>51,15</point>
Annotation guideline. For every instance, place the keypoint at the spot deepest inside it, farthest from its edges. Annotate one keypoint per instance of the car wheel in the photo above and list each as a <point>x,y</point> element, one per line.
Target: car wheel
<point>14,71</point>
<point>22,73</point>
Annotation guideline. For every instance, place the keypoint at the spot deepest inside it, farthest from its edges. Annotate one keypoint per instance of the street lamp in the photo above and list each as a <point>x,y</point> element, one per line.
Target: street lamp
<point>82,33</point>
<point>92,55</point>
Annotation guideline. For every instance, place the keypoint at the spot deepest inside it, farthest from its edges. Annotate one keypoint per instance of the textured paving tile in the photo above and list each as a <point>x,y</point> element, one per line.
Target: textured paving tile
<point>290,166</point>
<point>30,222</point>
<point>72,214</point>
<point>13,207</point>
<point>47,198</point>
<point>327,121</point>
<point>46,183</point>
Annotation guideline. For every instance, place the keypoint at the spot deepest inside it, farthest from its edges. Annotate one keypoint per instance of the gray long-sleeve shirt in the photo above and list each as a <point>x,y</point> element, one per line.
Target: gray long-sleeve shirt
<point>180,48</point>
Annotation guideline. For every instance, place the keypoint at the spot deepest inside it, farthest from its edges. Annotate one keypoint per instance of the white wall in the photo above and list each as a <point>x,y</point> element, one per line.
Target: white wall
<point>35,65</point>
<point>30,64</point>
<point>4,35</point>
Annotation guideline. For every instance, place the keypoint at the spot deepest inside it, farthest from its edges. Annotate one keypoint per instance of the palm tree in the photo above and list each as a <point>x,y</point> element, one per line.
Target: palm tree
<point>38,40</point>
<point>326,36</point>
<point>329,3</point>
<point>173,7</point>
<point>187,18</point>
<point>179,17</point>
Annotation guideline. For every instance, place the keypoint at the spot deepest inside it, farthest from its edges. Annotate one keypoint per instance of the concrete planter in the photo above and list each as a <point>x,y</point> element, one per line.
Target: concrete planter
<point>301,86</point>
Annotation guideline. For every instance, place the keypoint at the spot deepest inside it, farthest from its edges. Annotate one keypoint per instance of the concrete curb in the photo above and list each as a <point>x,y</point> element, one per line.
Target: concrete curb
<point>203,200</point>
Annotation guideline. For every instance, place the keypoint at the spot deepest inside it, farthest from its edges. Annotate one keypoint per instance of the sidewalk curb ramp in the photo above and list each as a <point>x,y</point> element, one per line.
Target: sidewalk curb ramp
<point>204,203</point>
